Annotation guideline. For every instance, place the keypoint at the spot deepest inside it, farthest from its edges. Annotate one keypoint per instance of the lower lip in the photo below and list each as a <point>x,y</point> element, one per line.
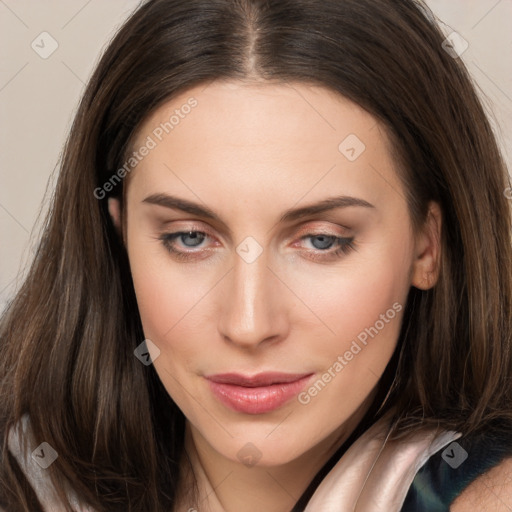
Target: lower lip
<point>257,400</point>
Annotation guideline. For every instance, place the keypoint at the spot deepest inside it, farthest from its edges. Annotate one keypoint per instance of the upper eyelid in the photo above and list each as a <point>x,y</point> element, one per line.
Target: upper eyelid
<point>299,231</point>
<point>321,230</point>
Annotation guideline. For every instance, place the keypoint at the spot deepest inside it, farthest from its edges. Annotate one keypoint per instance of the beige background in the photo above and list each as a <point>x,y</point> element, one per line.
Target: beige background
<point>38,96</point>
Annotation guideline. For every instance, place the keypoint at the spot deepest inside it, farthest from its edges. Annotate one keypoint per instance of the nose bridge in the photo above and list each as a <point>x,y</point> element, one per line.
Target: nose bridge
<point>250,311</point>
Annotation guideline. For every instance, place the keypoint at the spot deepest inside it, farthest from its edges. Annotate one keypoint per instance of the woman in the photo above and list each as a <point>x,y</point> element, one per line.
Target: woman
<point>276,274</point>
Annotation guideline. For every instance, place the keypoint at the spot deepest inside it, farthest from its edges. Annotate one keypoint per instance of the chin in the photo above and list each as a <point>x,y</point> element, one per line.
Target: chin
<point>258,449</point>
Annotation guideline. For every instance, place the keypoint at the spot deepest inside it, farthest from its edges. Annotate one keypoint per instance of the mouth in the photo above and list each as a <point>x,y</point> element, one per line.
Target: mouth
<point>256,394</point>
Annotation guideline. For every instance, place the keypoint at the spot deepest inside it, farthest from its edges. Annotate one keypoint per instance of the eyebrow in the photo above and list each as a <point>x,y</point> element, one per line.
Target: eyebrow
<point>177,203</point>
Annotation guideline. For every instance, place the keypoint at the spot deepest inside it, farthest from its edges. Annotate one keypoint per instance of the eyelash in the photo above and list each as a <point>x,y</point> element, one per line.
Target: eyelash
<point>345,245</point>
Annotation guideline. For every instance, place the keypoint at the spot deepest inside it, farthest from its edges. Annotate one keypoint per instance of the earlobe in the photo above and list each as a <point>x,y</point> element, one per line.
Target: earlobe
<point>114,209</point>
<point>426,264</point>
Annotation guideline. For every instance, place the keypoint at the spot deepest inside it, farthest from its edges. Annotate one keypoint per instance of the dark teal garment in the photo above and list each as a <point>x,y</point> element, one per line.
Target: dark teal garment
<point>442,478</point>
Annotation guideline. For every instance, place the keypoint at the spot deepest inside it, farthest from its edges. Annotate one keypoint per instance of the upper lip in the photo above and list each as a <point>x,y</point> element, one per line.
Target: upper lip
<point>260,379</point>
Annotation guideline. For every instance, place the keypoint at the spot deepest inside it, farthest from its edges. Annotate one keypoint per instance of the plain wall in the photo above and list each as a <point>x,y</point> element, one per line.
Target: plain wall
<point>38,96</point>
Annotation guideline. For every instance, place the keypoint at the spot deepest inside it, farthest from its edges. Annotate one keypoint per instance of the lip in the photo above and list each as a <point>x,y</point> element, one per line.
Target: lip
<point>257,394</point>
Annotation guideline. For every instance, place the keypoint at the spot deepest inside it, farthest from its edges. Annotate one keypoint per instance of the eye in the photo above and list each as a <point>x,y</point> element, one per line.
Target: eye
<point>190,244</point>
<point>327,246</point>
<point>177,243</point>
<point>190,238</point>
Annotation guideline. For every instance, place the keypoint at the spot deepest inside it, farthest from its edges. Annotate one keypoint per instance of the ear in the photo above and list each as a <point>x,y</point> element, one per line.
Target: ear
<point>425,270</point>
<point>114,209</point>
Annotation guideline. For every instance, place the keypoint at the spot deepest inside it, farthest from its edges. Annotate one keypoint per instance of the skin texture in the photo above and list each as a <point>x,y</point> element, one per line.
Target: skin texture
<point>249,152</point>
<point>491,491</point>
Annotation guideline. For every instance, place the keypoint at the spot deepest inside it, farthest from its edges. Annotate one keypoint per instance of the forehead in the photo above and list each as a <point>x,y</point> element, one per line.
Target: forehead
<point>244,135</point>
<point>257,114</point>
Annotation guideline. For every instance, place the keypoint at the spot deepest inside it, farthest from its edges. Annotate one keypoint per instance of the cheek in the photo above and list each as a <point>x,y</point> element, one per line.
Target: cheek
<point>167,294</point>
<point>351,296</point>
<point>363,309</point>
<point>169,299</point>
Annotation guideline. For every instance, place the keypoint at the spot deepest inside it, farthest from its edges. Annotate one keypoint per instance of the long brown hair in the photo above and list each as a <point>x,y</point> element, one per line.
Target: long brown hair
<point>67,338</point>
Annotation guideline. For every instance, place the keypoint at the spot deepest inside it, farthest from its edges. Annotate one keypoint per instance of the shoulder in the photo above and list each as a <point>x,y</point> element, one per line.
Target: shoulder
<point>472,474</point>
<point>490,491</point>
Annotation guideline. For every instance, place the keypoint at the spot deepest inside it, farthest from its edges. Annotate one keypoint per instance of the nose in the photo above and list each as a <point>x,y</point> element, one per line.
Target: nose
<point>253,309</point>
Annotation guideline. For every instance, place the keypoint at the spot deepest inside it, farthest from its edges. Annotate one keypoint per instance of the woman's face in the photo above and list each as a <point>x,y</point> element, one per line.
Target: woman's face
<point>272,252</point>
